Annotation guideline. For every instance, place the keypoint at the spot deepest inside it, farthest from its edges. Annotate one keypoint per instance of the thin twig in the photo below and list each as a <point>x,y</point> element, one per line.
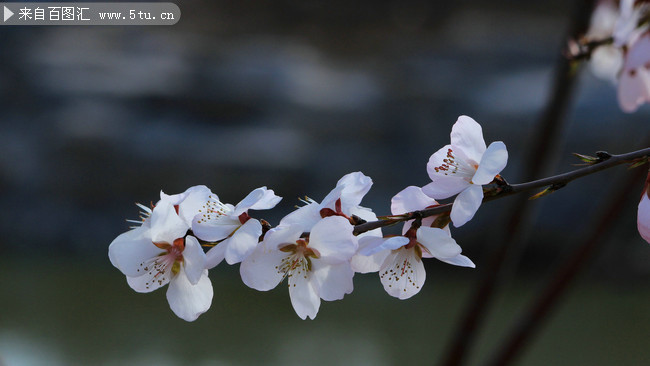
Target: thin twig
<point>607,161</point>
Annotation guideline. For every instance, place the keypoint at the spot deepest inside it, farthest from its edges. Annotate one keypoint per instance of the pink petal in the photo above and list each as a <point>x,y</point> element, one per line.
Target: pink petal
<point>643,217</point>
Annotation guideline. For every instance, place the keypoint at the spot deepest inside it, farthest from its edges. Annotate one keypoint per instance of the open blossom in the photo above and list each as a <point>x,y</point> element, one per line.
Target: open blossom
<point>643,213</point>
<point>344,200</point>
<point>316,267</point>
<point>160,252</point>
<point>402,272</point>
<point>463,167</point>
<point>634,79</point>
<point>232,224</point>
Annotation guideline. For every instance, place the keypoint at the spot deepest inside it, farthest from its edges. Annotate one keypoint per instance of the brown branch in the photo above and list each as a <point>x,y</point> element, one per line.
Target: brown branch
<point>604,161</point>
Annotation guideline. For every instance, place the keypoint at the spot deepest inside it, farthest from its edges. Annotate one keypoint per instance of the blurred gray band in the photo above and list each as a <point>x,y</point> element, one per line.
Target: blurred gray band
<point>66,13</point>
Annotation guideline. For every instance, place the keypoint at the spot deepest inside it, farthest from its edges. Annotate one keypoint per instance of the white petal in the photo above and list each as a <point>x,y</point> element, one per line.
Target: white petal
<point>603,20</point>
<point>215,229</point>
<point>194,202</point>
<point>381,244</point>
<point>166,225</point>
<point>306,216</point>
<point>282,235</point>
<point>643,217</point>
<point>492,163</point>
<point>355,186</point>
<point>445,186</point>
<point>368,263</point>
<point>466,204</point>
<point>194,259</point>
<point>332,282</point>
<point>467,137</point>
<point>606,62</point>
<point>459,260</point>
<point>303,296</point>
<point>332,237</point>
<point>410,199</point>
<point>243,241</point>
<point>330,200</point>
<point>260,269</point>
<point>402,274</point>
<point>150,281</point>
<point>268,201</point>
<point>130,249</point>
<point>215,255</point>
<point>189,301</point>
<point>259,199</point>
<point>438,242</point>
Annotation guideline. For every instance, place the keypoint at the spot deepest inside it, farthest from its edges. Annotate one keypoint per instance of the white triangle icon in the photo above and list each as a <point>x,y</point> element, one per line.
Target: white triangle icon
<point>8,13</point>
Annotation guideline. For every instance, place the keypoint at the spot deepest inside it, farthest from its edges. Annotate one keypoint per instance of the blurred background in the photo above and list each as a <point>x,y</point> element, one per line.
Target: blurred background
<point>293,95</point>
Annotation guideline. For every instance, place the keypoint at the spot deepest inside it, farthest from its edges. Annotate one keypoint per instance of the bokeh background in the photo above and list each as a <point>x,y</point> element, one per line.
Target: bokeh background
<point>293,95</point>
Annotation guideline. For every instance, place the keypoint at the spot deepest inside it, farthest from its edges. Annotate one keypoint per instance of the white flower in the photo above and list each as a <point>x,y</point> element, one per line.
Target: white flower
<point>643,213</point>
<point>157,253</point>
<point>463,167</point>
<point>402,272</point>
<point>219,221</point>
<point>344,200</point>
<point>317,267</point>
<point>634,80</point>
<point>188,203</point>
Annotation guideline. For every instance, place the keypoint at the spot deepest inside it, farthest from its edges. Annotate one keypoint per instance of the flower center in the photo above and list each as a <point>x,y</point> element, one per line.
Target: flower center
<point>298,262</point>
<point>156,268</point>
<point>454,165</point>
<point>213,210</point>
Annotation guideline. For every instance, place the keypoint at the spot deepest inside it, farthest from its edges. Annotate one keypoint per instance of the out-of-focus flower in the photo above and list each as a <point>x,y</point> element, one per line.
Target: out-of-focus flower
<point>634,80</point>
<point>218,221</point>
<point>160,252</point>
<point>463,167</point>
<point>626,60</point>
<point>402,271</point>
<point>627,28</point>
<point>643,213</point>
<point>317,267</point>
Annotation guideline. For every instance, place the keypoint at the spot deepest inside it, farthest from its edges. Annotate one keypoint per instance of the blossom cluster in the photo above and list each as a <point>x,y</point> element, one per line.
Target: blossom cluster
<point>625,57</point>
<point>315,247</point>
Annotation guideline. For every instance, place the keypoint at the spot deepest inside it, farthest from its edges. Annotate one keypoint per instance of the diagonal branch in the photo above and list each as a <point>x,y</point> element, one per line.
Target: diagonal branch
<point>604,161</point>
